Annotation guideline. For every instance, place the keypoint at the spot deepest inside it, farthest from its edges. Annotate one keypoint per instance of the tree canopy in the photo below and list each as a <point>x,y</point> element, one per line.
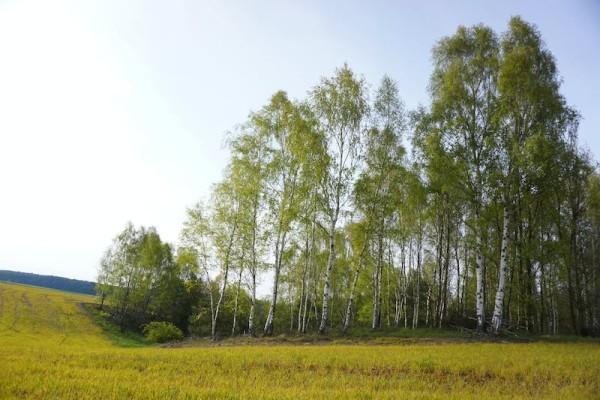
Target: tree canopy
<point>478,210</point>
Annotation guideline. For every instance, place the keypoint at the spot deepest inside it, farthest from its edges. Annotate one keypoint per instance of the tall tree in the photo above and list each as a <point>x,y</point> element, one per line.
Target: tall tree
<point>289,132</point>
<point>340,104</point>
<point>529,104</point>
<point>464,97</point>
<point>377,187</point>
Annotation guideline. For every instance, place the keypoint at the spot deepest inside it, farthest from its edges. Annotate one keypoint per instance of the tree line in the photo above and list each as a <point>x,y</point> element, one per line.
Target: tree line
<point>479,210</point>
<point>49,281</point>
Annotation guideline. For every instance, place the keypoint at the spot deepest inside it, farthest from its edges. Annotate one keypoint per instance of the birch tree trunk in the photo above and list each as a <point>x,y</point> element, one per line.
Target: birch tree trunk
<point>418,285</point>
<point>224,286</point>
<point>479,277</point>
<point>237,296</point>
<point>348,314</point>
<point>218,305</point>
<point>279,246</point>
<point>251,314</point>
<point>327,277</point>
<point>253,271</point>
<point>312,272</point>
<point>479,296</point>
<point>499,302</point>
<point>376,317</point>
<point>303,286</point>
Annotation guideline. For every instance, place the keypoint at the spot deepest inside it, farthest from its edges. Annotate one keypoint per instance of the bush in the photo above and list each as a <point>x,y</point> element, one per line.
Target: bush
<point>162,332</point>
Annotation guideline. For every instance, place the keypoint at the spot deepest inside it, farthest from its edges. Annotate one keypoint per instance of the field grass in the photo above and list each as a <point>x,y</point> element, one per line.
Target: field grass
<point>51,347</point>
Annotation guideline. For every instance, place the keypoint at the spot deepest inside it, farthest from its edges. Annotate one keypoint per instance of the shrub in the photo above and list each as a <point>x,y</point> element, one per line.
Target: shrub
<point>162,332</point>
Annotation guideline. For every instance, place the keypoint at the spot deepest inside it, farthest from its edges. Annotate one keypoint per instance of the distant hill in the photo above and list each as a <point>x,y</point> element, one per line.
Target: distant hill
<point>49,281</point>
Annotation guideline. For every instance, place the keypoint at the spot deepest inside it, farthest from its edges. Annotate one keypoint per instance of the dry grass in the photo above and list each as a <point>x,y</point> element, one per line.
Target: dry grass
<point>50,348</point>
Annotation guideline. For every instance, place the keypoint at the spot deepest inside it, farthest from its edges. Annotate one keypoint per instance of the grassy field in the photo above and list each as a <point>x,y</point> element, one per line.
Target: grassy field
<point>50,347</point>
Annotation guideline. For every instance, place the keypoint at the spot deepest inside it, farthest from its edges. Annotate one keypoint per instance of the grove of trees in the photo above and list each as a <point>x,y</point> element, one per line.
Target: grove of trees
<point>479,210</point>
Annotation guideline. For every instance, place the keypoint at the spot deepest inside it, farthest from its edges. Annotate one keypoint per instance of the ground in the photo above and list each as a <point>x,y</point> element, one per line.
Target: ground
<point>53,347</point>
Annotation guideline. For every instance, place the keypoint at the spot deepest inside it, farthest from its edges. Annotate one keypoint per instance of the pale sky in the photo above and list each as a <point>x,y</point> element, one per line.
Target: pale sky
<point>115,111</point>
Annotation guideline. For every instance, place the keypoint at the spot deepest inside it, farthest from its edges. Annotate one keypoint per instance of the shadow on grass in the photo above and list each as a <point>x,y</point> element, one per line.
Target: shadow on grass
<point>356,336</point>
<point>111,330</point>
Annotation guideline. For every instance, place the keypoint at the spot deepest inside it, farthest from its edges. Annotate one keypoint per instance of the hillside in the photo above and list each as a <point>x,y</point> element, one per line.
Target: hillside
<point>49,281</point>
<point>51,348</point>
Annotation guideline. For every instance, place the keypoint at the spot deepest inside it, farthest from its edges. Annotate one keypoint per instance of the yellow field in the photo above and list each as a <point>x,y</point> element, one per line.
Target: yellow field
<point>50,348</point>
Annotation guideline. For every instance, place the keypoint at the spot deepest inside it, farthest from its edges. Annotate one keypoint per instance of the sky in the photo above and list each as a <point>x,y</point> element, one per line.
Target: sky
<point>116,111</point>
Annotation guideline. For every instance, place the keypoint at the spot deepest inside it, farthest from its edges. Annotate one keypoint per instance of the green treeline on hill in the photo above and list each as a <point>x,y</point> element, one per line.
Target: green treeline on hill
<point>490,221</point>
<point>49,281</point>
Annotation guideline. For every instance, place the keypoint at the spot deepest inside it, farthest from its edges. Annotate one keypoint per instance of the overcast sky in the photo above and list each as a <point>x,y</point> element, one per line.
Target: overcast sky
<point>115,111</point>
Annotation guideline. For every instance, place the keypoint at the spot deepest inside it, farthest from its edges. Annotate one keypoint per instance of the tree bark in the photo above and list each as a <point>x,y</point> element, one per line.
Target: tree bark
<point>418,284</point>
<point>499,302</point>
<point>348,314</point>
<point>326,282</point>
<point>279,246</point>
<point>479,296</point>
<point>253,272</point>
<point>215,316</point>
<point>237,296</point>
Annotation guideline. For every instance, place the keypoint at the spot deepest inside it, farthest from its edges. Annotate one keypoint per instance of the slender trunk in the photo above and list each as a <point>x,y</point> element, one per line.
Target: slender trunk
<point>446,273</point>
<point>252,313</point>
<point>219,302</point>
<point>312,272</point>
<point>291,297</point>
<point>215,316</point>
<point>303,286</point>
<point>348,314</point>
<point>326,282</point>
<point>438,277</point>
<point>499,302</point>
<point>237,296</point>
<point>376,316</point>
<point>457,260</point>
<point>389,269</point>
<point>418,284</point>
<point>399,295</point>
<point>427,306</point>
<point>404,290</point>
<point>279,246</point>
<point>465,282</point>
<point>479,276</point>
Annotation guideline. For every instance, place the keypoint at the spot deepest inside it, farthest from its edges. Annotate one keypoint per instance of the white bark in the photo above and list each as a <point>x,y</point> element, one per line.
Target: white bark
<point>326,283</point>
<point>253,271</point>
<point>499,302</point>
<point>224,286</point>
<point>348,314</point>
<point>418,285</point>
<point>237,297</point>
<point>279,246</point>
<point>251,325</point>
<point>479,295</point>
<point>376,316</point>
<point>303,287</point>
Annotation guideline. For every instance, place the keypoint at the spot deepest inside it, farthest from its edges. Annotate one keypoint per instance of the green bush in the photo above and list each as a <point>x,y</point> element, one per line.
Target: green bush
<point>161,332</point>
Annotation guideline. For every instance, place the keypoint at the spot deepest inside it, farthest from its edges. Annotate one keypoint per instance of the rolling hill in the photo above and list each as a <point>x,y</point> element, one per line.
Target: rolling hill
<point>49,281</point>
<point>50,347</point>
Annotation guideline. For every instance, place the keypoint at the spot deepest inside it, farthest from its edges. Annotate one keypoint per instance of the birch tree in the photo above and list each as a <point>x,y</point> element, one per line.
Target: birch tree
<point>250,153</point>
<point>464,97</point>
<point>340,103</point>
<point>530,104</point>
<point>377,187</point>
<point>289,132</point>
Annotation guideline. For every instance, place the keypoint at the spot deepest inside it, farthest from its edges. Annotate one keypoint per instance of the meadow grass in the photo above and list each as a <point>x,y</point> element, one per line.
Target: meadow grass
<point>51,347</point>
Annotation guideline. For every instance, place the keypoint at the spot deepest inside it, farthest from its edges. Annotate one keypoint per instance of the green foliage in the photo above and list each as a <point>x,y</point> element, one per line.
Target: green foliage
<point>161,332</point>
<point>142,281</point>
<point>495,197</point>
